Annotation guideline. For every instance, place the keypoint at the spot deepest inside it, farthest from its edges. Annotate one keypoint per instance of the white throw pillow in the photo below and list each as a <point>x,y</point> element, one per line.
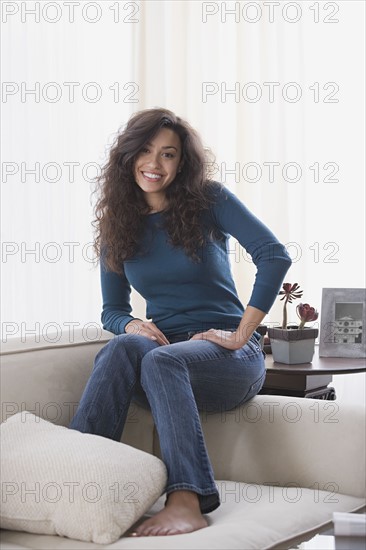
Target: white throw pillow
<point>58,481</point>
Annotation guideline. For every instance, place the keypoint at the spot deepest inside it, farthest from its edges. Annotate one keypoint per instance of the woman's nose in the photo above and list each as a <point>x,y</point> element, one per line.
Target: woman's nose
<point>154,160</point>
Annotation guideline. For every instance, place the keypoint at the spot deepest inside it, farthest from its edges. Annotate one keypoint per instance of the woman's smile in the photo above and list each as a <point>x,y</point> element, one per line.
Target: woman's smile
<point>152,176</point>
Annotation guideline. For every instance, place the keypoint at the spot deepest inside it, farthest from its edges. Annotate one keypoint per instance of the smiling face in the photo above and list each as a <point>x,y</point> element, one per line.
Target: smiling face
<point>156,166</point>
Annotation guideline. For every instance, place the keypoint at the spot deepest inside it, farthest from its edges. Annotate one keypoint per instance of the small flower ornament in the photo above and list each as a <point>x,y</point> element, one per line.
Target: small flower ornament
<point>290,292</point>
<point>306,313</point>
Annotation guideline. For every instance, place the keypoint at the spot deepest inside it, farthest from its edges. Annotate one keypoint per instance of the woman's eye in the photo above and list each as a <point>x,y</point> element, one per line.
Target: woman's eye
<point>167,155</point>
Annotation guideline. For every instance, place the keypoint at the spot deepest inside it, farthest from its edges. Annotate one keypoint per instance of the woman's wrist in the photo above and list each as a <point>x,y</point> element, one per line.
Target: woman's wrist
<point>238,339</point>
<point>134,325</point>
<point>251,319</point>
<point>147,329</point>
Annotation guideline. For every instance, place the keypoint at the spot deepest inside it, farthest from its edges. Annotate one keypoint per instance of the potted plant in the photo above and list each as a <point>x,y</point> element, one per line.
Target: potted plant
<point>294,344</point>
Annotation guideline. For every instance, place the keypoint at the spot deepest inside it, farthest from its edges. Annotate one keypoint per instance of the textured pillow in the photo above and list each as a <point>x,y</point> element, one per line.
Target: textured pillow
<point>58,481</point>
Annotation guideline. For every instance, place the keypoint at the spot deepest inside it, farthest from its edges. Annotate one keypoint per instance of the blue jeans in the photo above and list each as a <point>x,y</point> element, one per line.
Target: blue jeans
<point>174,381</point>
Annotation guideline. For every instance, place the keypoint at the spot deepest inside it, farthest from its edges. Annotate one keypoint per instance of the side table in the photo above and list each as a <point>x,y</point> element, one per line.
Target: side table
<point>308,379</point>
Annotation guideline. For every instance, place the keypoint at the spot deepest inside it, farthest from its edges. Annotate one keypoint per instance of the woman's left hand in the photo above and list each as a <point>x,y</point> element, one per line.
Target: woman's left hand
<point>224,338</point>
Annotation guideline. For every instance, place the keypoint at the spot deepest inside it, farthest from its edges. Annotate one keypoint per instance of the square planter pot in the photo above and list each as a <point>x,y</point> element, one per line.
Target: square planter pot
<point>293,346</point>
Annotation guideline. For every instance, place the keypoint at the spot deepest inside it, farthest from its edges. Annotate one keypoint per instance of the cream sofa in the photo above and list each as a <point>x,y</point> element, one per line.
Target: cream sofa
<point>283,465</point>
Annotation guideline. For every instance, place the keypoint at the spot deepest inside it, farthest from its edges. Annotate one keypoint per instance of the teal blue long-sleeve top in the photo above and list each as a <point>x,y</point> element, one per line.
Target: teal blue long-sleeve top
<point>182,295</point>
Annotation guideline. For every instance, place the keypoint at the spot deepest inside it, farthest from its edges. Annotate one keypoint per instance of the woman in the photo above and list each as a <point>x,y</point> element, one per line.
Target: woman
<point>163,228</point>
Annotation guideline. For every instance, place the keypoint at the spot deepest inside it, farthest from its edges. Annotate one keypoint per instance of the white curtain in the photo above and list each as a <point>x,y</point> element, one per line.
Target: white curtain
<point>50,212</point>
<point>275,89</point>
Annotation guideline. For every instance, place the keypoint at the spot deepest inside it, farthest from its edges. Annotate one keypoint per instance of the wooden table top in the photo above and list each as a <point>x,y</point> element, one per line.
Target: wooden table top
<point>319,365</point>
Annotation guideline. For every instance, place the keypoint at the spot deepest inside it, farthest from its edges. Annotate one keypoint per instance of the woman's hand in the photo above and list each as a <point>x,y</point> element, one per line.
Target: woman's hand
<point>147,329</point>
<point>235,340</point>
<point>225,338</point>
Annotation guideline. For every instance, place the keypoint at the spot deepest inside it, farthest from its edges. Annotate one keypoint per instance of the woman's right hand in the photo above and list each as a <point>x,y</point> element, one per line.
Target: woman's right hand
<point>147,329</point>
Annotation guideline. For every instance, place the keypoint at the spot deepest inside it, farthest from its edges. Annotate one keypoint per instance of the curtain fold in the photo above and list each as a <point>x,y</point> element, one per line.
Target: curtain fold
<point>208,71</point>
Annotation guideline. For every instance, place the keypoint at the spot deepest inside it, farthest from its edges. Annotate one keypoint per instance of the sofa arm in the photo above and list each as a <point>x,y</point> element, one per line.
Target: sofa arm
<point>48,379</point>
<point>289,441</point>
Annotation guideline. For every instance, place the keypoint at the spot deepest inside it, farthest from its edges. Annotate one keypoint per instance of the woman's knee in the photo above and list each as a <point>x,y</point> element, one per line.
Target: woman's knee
<point>131,341</point>
<point>159,361</point>
<point>160,355</point>
<point>121,351</point>
<point>113,346</point>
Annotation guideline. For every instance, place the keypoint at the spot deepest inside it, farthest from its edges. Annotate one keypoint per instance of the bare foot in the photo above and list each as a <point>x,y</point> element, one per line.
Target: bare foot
<point>181,514</point>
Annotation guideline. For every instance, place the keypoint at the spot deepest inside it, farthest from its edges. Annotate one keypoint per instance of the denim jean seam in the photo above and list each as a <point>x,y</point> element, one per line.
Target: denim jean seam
<point>231,357</point>
<point>175,437</point>
<point>188,360</point>
<point>96,395</point>
<point>224,355</point>
<point>191,487</point>
<point>246,398</point>
<point>131,392</point>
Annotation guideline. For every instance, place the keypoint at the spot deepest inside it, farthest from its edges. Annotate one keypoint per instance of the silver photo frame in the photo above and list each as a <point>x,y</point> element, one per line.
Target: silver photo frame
<point>342,323</point>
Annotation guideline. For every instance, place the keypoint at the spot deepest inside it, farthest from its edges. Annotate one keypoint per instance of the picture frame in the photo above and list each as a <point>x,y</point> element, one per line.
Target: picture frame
<point>343,322</point>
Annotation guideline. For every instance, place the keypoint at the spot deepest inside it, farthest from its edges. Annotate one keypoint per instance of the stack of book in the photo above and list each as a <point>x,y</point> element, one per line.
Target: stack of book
<point>349,531</point>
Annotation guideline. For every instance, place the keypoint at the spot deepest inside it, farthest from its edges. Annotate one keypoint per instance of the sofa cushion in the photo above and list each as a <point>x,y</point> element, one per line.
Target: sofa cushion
<point>60,481</point>
<point>250,516</point>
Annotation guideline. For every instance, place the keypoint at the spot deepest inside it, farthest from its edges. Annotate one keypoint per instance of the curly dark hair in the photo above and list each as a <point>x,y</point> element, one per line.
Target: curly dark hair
<point>121,206</point>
